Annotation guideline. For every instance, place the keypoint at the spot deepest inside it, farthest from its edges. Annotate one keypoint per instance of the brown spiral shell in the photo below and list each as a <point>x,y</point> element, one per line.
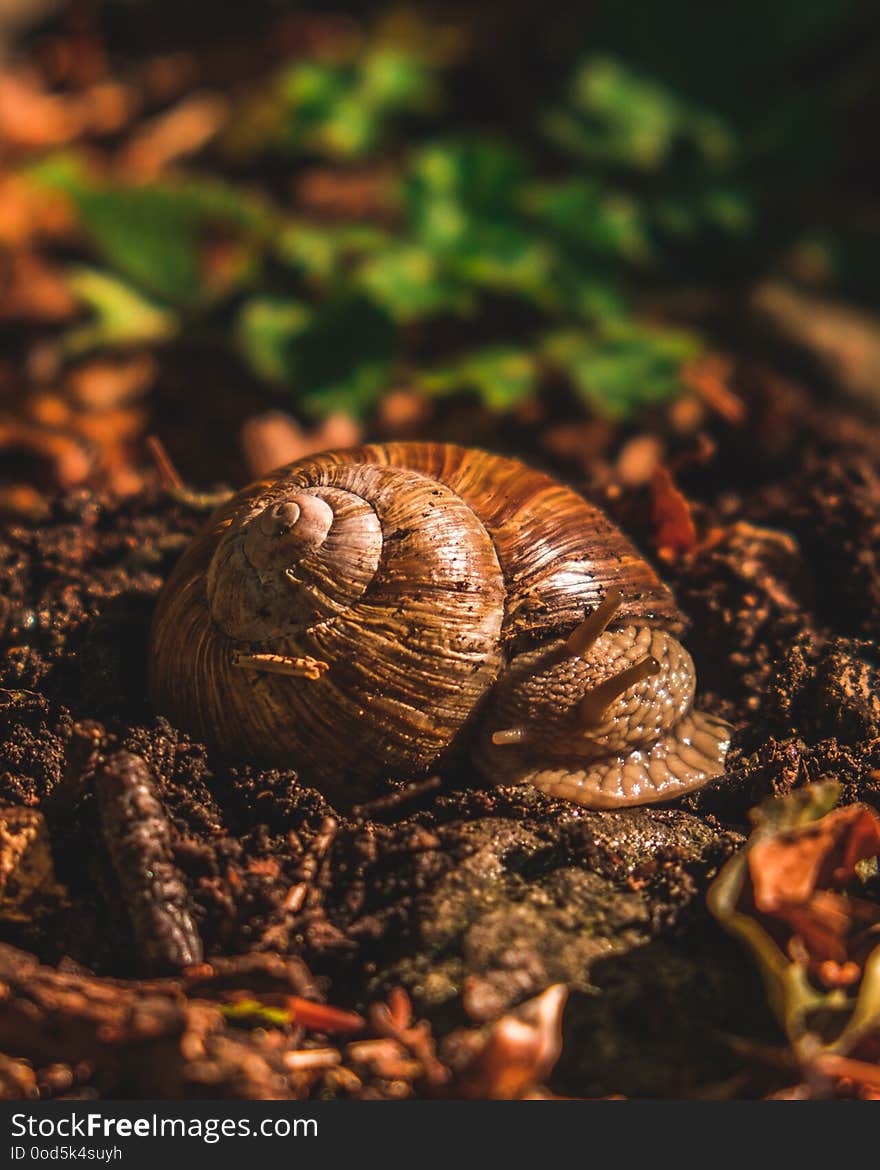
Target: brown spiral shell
<point>478,553</point>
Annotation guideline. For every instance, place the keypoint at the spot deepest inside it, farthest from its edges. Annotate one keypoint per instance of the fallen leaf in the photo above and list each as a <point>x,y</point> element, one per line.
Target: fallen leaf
<point>31,116</point>
<point>270,440</point>
<point>709,377</point>
<point>28,212</point>
<point>787,869</point>
<point>31,289</point>
<point>638,459</point>
<point>788,896</point>
<point>103,384</point>
<point>66,457</point>
<point>180,131</point>
<point>674,529</point>
<point>795,879</point>
<point>519,1051</point>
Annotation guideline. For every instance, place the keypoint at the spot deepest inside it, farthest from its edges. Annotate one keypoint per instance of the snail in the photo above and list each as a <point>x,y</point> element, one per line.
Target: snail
<point>362,613</point>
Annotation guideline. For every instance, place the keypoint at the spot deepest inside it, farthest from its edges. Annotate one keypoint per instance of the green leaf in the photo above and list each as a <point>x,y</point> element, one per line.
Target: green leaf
<point>623,366</point>
<point>459,193</point>
<point>615,116</point>
<point>322,254</point>
<point>592,219</point>
<point>592,294</point>
<point>511,262</point>
<point>410,282</point>
<point>151,235</point>
<point>502,377</point>
<point>464,203</point>
<point>685,213</point>
<point>266,327</point>
<point>121,316</point>
<point>343,359</point>
<point>343,111</point>
<point>394,81</point>
<point>147,234</point>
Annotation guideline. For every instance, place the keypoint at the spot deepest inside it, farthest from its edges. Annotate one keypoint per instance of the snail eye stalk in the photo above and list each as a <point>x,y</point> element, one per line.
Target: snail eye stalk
<point>597,701</point>
<point>581,639</point>
<point>510,735</point>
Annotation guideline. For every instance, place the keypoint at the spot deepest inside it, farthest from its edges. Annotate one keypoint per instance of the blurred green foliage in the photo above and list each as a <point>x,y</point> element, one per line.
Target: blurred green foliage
<point>533,245</point>
<point>342,112</point>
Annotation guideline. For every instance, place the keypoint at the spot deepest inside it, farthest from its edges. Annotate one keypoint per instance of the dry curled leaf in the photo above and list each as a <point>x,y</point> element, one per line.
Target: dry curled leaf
<point>796,879</point>
<point>674,529</point>
<point>789,896</point>
<point>518,1052</point>
<point>788,869</point>
<point>709,378</point>
<point>275,438</point>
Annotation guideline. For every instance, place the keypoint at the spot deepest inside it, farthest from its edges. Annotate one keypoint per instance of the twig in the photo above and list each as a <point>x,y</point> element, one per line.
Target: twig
<point>392,802</point>
<point>168,473</point>
<point>172,480</point>
<point>138,838</point>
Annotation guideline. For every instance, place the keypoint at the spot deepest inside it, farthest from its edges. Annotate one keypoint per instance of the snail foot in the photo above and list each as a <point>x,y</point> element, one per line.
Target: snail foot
<point>685,758</point>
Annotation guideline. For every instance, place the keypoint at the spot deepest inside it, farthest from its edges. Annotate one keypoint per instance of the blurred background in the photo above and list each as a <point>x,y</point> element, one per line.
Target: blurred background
<point>570,231</point>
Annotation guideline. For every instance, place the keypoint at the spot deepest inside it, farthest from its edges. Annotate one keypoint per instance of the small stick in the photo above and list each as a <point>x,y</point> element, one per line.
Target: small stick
<point>306,667</point>
<point>393,800</point>
<point>168,473</point>
<point>172,480</point>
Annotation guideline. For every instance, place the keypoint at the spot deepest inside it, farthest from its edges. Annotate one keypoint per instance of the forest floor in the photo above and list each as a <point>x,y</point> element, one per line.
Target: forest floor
<point>472,900</point>
<point>177,923</point>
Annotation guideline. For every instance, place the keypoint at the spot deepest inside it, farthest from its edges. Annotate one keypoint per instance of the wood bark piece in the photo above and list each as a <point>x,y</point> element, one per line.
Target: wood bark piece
<point>138,838</point>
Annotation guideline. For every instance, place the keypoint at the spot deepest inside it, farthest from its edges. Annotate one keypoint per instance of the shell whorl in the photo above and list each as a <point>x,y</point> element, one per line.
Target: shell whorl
<point>291,559</point>
<point>411,650</point>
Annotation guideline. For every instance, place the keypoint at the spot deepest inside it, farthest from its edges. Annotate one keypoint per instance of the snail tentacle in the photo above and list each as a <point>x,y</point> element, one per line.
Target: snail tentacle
<point>584,636</point>
<point>596,702</point>
<point>510,735</point>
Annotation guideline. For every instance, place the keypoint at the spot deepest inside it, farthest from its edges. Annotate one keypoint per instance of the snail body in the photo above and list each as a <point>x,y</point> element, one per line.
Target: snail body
<point>355,614</point>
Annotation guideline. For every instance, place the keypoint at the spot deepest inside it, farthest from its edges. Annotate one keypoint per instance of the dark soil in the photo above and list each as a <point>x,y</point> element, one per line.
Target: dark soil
<point>472,899</point>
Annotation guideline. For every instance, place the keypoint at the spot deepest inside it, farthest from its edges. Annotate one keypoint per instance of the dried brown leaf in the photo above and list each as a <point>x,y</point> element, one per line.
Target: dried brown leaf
<point>674,529</point>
